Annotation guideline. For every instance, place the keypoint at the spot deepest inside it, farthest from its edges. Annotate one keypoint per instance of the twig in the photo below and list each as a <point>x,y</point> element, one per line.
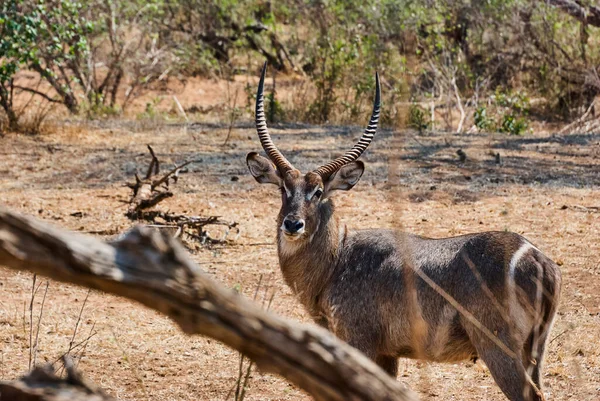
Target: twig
<point>559,335</point>
<point>175,171</point>
<point>579,120</point>
<point>459,102</point>
<point>182,222</point>
<point>33,291</point>
<point>245,382</point>
<point>77,323</point>
<point>154,163</point>
<point>86,341</point>
<point>108,231</point>
<point>179,107</point>
<point>79,344</point>
<point>36,92</point>
<point>37,332</point>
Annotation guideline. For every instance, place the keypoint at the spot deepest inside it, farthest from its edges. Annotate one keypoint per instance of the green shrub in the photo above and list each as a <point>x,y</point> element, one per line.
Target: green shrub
<point>482,121</point>
<point>417,118</point>
<point>274,110</point>
<point>512,124</point>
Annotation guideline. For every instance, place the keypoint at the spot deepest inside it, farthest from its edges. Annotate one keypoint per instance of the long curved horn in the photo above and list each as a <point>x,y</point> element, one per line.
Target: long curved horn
<point>354,153</point>
<point>263,133</point>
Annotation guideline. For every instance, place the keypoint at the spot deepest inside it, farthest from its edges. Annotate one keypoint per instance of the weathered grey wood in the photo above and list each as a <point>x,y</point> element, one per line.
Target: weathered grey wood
<point>153,269</point>
<point>42,384</point>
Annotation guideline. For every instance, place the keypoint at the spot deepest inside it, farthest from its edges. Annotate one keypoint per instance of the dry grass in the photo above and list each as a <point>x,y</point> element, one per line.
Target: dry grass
<point>74,178</point>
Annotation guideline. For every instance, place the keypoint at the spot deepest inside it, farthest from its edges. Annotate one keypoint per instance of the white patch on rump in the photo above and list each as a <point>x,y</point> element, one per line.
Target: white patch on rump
<point>517,312</point>
<point>516,258</point>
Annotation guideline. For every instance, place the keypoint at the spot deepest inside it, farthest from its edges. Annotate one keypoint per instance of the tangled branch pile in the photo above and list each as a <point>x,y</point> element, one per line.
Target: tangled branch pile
<point>154,188</point>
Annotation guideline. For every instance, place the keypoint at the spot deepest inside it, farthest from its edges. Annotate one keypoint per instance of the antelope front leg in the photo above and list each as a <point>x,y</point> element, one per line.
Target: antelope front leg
<point>367,344</point>
<point>322,321</point>
<point>388,363</point>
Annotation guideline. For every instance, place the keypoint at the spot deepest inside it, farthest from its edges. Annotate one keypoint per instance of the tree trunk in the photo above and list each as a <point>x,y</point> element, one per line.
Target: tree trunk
<point>68,98</point>
<point>7,105</point>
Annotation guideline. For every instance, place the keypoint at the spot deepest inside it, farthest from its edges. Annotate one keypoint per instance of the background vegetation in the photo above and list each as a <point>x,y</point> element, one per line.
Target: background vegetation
<point>494,65</point>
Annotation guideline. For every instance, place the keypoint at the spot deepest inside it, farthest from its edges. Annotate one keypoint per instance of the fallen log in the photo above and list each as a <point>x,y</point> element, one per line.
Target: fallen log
<point>153,268</point>
<point>42,384</point>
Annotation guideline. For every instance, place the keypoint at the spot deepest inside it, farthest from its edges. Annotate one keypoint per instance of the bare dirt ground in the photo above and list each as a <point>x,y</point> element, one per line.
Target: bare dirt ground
<point>546,188</point>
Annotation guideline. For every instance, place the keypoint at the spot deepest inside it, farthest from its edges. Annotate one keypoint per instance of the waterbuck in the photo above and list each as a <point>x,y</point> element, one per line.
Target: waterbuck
<point>491,295</point>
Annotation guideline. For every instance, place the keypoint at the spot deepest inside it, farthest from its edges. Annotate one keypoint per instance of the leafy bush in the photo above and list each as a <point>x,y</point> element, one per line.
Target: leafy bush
<point>417,118</point>
<point>85,50</point>
<point>511,108</point>
<point>18,32</point>
<point>512,124</point>
<point>517,101</point>
<point>481,119</point>
<point>482,60</point>
<point>274,110</point>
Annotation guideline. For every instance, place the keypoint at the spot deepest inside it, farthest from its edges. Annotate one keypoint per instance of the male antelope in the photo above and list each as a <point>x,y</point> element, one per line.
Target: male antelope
<point>390,294</point>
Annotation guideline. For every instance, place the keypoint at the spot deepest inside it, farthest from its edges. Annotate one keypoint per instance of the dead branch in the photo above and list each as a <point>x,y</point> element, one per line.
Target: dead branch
<point>191,225</point>
<point>152,268</point>
<point>37,92</point>
<point>579,121</point>
<point>459,103</point>
<point>147,192</point>
<point>153,189</point>
<point>42,384</point>
<point>589,209</point>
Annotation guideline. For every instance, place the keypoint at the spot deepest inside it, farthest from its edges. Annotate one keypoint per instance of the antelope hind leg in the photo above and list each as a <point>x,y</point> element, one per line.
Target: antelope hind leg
<point>508,372</point>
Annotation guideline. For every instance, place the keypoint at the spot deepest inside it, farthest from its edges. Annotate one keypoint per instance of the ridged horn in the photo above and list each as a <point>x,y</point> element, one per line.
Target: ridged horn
<point>354,153</point>
<point>263,133</point>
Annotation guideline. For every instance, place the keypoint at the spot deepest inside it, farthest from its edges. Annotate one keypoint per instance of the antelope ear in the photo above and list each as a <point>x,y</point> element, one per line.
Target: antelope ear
<point>346,177</point>
<point>262,169</point>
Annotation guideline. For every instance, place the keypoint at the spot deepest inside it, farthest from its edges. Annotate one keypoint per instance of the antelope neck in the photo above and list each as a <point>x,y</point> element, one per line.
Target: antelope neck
<point>308,263</point>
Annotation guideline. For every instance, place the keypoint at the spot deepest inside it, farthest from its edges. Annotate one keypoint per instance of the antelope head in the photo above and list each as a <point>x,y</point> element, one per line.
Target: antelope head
<point>305,197</point>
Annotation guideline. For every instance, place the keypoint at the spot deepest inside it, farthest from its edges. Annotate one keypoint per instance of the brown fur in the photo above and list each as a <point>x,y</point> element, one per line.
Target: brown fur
<point>362,285</point>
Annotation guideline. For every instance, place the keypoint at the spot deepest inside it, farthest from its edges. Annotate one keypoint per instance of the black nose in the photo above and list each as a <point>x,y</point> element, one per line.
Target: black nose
<point>293,226</point>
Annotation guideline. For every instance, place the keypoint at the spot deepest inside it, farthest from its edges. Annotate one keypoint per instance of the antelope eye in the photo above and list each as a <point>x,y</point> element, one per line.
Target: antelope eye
<point>318,194</point>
